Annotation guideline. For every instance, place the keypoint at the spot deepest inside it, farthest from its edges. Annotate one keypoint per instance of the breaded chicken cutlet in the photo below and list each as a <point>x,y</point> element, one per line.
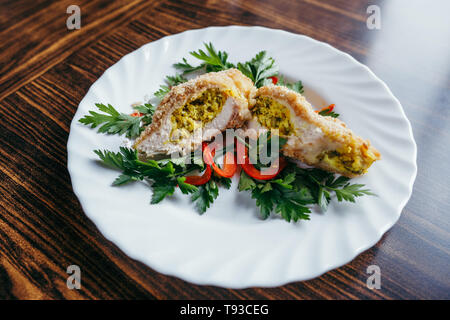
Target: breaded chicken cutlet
<point>211,102</point>
<point>320,141</point>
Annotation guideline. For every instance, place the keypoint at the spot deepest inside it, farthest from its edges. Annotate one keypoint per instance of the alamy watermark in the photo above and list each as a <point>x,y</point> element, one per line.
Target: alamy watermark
<point>74,280</point>
<point>74,20</point>
<point>374,280</point>
<point>373,21</point>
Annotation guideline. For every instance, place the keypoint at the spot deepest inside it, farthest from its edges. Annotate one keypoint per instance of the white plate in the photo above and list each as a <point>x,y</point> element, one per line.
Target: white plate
<point>230,246</point>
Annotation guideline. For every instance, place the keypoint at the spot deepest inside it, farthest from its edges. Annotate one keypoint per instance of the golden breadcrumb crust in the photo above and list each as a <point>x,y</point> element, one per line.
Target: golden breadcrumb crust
<point>231,79</point>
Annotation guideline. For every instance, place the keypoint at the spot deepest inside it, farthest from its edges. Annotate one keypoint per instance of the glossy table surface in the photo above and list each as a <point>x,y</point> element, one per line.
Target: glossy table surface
<point>46,69</point>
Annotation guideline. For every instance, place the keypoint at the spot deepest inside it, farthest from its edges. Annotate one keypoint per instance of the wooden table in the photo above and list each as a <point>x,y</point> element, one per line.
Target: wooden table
<point>45,70</point>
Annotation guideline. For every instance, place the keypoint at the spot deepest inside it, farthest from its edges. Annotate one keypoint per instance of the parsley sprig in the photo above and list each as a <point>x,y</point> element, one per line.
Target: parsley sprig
<point>259,69</point>
<point>296,86</point>
<point>170,82</point>
<point>113,122</point>
<point>205,194</point>
<point>278,195</point>
<point>294,189</point>
<point>147,110</point>
<point>186,67</point>
<point>211,61</point>
<point>164,174</point>
<point>322,184</point>
<point>133,169</point>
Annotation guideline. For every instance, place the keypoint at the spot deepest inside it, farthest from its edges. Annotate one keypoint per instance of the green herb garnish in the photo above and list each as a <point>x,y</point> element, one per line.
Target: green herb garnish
<point>170,82</point>
<point>296,86</point>
<point>259,69</point>
<point>114,122</point>
<point>328,113</point>
<point>290,194</point>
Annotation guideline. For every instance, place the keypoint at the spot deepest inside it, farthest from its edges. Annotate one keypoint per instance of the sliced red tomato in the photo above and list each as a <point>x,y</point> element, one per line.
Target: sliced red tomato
<point>274,80</point>
<point>229,166</point>
<point>136,114</point>
<point>267,173</point>
<point>229,161</point>
<point>203,178</point>
<point>199,180</point>
<point>327,109</point>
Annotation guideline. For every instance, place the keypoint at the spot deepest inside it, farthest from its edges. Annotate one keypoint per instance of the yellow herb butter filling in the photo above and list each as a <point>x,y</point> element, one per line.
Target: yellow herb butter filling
<point>349,160</point>
<point>198,111</point>
<point>273,115</point>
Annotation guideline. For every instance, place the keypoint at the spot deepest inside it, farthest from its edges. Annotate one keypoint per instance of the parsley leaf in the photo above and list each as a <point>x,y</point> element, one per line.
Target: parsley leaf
<point>113,122</point>
<point>170,82</point>
<point>161,190</point>
<point>185,188</point>
<point>127,161</point>
<point>213,60</point>
<point>278,195</point>
<point>205,196</point>
<point>224,182</point>
<point>322,184</point>
<point>123,179</point>
<point>175,80</point>
<point>327,113</point>
<point>323,198</point>
<point>290,193</point>
<point>186,68</point>
<point>111,159</point>
<point>296,86</point>
<point>147,110</point>
<point>292,210</point>
<point>259,69</point>
<point>165,175</point>
<point>263,202</point>
<point>246,182</point>
<point>350,191</point>
<point>163,90</point>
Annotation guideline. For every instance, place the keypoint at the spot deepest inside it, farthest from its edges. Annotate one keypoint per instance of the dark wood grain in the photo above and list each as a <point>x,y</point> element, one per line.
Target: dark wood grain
<point>45,70</point>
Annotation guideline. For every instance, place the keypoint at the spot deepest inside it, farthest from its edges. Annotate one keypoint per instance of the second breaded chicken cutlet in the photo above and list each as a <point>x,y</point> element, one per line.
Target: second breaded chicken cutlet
<point>320,141</point>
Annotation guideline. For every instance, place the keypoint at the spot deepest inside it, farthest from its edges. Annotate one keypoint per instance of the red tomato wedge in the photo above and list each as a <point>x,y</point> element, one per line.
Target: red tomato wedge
<point>202,179</point>
<point>267,174</point>
<point>327,109</point>
<point>199,180</point>
<point>229,162</point>
<point>274,79</point>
